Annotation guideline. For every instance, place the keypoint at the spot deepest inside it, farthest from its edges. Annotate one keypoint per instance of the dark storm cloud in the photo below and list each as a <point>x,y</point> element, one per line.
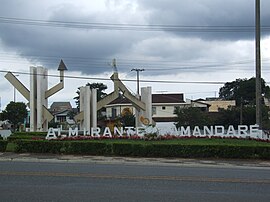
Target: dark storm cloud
<point>208,13</point>
<point>86,50</point>
<point>90,50</point>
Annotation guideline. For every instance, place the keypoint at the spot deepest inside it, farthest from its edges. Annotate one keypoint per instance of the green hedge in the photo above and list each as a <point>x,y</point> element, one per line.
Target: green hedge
<point>3,145</point>
<point>141,149</point>
<point>85,147</point>
<point>39,146</point>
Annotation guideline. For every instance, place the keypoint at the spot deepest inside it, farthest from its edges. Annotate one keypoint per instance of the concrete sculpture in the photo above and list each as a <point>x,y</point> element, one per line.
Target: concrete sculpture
<point>87,100</point>
<point>38,94</point>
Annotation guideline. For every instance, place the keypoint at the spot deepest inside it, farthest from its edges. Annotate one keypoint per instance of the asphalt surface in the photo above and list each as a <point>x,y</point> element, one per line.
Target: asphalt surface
<point>30,157</point>
<point>43,177</point>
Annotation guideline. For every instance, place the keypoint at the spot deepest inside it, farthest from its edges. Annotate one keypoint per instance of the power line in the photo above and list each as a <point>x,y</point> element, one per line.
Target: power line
<point>128,80</point>
<point>152,65</point>
<point>131,27</point>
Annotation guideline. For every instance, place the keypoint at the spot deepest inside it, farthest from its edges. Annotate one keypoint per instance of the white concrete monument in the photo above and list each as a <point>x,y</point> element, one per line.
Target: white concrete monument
<point>89,107</point>
<point>38,94</point>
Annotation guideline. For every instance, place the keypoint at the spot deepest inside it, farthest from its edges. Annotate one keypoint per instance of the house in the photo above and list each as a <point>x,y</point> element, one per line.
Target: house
<point>203,106</point>
<point>163,106</point>
<point>60,106</point>
<point>61,112</point>
<point>217,103</point>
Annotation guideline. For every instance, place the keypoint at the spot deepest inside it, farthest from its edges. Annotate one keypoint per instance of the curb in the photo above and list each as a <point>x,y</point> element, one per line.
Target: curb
<point>221,163</point>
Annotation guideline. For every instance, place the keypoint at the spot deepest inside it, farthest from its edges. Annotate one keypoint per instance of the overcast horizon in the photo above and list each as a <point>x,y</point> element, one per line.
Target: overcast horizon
<point>174,40</point>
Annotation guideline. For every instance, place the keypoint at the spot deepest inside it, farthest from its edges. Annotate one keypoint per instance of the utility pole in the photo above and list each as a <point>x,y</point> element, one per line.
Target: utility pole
<point>258,67</point>
<point>241,111</point>
<point>138,79</point>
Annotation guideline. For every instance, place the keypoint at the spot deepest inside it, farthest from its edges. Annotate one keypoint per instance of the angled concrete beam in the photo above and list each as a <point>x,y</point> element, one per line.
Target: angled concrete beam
<point>54,89</point>
<point>118,85</point>
<point>18,85</point>
<point>135,101</point>
<point>47,114</point>
<point>79,116</point>
<point>106,100</point>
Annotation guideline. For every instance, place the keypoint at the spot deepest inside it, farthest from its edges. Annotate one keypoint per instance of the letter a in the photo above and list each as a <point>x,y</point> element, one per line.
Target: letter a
<point>51,134</point>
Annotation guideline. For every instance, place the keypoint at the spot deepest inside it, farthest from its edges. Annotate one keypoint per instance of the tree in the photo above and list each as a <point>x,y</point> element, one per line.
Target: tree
<point>226,117</point>
<point>231,116</point>
<point>242,91</point>
<point>15,113</point>
<point>191,116</point>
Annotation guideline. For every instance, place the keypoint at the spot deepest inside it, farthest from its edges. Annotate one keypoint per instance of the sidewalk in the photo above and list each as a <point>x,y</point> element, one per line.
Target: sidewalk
<point>55,158</point>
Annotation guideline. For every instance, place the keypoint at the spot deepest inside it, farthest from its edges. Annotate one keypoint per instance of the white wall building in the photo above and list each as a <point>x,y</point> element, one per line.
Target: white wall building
<point>163,106</point>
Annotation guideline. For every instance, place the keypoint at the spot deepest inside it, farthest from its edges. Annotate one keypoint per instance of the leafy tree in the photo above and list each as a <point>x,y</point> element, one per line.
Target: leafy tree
<point>15,112</point>
<point>226,117</point>
<point>242,90</point>
<point>191,116</point>
<point>231,116</point>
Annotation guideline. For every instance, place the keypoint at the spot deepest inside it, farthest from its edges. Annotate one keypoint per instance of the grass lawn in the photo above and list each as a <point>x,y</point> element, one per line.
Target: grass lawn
<point>10,147</point>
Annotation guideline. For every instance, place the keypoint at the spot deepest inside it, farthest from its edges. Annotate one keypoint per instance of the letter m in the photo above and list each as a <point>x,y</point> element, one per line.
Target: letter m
<point>185,131</point>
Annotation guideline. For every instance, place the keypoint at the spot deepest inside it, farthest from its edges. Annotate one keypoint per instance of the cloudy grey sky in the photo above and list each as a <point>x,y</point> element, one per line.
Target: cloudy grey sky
<point>175,40</point>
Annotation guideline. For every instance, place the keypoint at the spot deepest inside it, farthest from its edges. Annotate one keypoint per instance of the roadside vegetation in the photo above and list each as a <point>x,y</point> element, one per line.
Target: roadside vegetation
<point>152,145</point>
<point>178,148</point>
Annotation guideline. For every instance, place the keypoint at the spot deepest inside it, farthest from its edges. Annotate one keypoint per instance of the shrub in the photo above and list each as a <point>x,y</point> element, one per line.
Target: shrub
<point>144,149</point>
<point>38,146</point>
<point>3,145</point>
<point>122,149</point>
<point>86,147</point>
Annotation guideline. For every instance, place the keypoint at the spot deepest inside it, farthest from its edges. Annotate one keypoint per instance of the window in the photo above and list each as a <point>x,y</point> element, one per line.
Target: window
<point>163,107</point>
<point>113,112</point>
<point>61,119</point>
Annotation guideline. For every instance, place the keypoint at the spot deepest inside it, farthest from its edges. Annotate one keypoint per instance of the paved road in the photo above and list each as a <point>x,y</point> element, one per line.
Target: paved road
<point>42,178</point>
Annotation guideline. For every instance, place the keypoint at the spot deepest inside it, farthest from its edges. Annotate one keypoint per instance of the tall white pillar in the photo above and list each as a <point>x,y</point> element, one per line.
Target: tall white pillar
<point>42,85</point>
<point>33,95</point>
<point>94,108</point>
<point>82,95</point>
<point>147,99</point>
<point>87,109</point>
